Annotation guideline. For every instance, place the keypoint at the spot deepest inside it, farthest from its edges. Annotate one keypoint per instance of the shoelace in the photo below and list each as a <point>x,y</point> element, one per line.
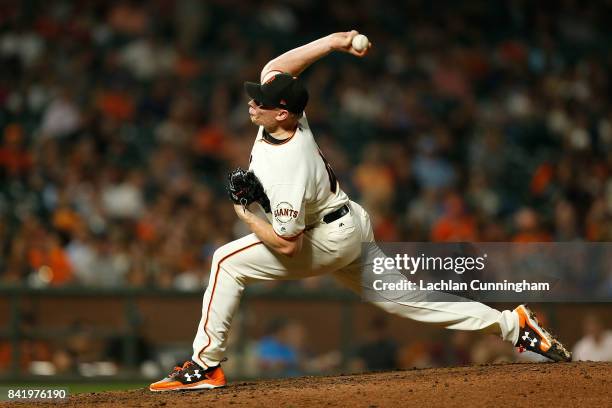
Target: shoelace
<point>176,370</point>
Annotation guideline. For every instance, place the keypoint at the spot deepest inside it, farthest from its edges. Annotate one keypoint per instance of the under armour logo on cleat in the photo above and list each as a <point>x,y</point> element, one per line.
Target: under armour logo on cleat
<point>533,341</point>
<point>197,373</point>
<point>188,377</point>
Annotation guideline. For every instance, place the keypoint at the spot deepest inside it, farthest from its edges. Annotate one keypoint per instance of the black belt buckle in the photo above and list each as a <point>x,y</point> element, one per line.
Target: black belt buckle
<point>335,215</point>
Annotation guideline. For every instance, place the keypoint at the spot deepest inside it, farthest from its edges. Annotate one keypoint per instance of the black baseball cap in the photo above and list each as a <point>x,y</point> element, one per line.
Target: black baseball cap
<point>282,91</point>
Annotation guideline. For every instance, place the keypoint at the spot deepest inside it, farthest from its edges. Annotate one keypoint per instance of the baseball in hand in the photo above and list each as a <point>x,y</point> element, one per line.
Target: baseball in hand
<point>360,42</point>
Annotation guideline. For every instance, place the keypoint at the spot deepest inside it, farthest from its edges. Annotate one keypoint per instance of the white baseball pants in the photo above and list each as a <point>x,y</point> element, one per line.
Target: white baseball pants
<point>327,248</point>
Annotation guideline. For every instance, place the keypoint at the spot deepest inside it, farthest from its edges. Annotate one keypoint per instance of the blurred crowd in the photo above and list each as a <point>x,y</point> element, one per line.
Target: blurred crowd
<point>468,121</point>
<point>282,349</point>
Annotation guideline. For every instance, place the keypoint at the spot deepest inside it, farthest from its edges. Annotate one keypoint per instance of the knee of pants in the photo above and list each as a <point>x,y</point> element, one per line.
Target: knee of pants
<point>217,257</point>
<point>224,253</point>
<point>224,263</point>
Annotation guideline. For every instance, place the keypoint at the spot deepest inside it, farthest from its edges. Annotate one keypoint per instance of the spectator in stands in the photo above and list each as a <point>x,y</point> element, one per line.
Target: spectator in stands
<point>379,351</point>
<point>279,350</point>
<point>596,345</point>
<point>528,227</point>
<point>456,224</point>
<point>453,353</point>
<point>31,347</point>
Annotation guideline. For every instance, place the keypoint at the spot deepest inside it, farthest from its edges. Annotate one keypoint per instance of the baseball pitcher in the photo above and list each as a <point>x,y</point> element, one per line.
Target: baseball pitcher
<point>312,228</point>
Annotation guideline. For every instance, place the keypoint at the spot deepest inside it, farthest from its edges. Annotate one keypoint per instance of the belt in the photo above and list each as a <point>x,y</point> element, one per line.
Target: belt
<point>335,215</point>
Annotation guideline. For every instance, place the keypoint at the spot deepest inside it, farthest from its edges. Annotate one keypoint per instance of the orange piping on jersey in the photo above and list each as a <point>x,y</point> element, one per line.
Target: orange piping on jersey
<point>213,294</point>
<point>292,238</point>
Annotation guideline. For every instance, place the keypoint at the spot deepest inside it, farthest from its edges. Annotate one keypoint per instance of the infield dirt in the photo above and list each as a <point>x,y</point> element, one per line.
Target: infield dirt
<point>535,385</point>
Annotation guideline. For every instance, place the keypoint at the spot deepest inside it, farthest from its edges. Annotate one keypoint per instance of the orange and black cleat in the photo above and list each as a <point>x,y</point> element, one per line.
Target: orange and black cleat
<point>191,377</point>
<point>533,337</point>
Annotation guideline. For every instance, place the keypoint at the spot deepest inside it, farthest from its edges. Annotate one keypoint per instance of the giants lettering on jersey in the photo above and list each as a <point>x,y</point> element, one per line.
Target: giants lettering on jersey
<point>284,212</point>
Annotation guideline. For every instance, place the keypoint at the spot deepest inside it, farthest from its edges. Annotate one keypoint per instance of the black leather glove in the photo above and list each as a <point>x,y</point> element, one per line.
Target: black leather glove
<point>244,188</point>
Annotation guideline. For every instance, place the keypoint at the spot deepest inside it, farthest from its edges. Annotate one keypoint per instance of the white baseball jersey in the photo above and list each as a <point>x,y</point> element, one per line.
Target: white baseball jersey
<point>297,179</point>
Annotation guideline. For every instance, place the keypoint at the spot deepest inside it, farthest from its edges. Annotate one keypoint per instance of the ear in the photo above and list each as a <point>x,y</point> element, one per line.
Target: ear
<point>282,115</point>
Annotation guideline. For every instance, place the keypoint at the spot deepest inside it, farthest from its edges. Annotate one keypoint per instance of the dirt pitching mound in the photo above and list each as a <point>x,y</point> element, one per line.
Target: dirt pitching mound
<point>533,385</point>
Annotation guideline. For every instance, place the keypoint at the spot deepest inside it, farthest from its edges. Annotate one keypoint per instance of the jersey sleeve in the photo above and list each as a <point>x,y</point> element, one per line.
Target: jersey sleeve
<point>287,205</point>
